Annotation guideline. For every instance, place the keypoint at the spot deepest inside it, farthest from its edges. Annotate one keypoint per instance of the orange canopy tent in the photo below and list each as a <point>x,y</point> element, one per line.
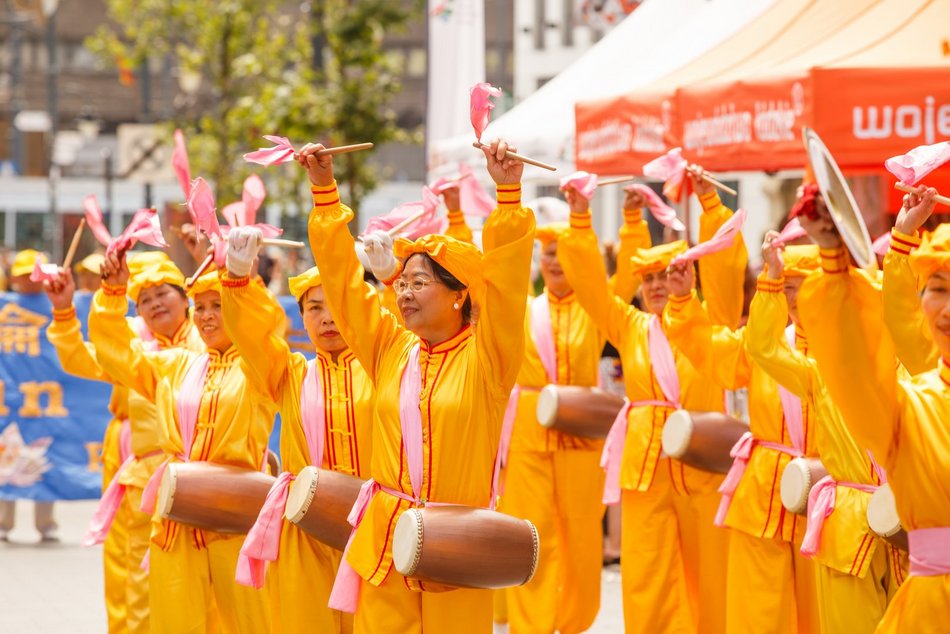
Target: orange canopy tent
<point>872,77</point>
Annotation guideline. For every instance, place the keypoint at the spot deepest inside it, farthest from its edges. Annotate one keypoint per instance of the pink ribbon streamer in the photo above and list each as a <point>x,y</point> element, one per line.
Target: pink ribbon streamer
<point>929,551</point>
<point>791,231</point>
<point>481,106</point>
<point>262,544</point>
<point>282,152</point>
<point>427,224</point>
<point>721,240</point>
<point>668,166</point>
<point>180,164</point>
<point>44,272</point>
<point>473,198</point>
<point>582,182</point>
<point>821,504</point>
<point>144,227</point>
<point>93,217</point>
<point>911,168</point>
<point>201,207</point>
<point>663,213</point>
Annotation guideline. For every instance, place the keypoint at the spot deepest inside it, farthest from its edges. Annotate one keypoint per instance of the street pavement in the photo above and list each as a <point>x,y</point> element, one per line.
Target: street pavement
<point>57,588</point>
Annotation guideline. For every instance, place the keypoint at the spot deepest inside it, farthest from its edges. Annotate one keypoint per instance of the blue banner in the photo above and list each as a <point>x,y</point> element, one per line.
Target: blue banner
<point>51,423</point>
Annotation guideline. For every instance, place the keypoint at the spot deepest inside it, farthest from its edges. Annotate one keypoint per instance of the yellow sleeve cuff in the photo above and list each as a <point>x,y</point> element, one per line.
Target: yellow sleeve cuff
<point>834,261</point>
<point>766,284</point>
<point>710,201</point>
<point>113,291</point>
<point>324,197</point>
<point>903,243</point>
<point>678,302</point>
<point>64,314</point>
<point>632,216</point>
<point>508,196</point>
<point>581,221</point>
<point>456,217</point>
<point>234,282</point>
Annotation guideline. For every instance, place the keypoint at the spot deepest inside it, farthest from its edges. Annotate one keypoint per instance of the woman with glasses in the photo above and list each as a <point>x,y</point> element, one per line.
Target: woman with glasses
<point>441,380</point>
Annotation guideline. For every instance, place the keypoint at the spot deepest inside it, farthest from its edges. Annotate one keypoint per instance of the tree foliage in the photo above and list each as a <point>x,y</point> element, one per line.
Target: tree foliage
<point>310,72</point>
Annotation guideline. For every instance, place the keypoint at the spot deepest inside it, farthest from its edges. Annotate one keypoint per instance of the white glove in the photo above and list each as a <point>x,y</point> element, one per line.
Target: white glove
<point>243,245</point>
<point>379,251</point>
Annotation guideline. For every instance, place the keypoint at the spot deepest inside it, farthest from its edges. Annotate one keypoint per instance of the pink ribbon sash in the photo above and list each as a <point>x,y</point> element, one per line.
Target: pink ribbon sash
<point>262,544</point>
<point>108,506</point>
<point>821,504</point>
<point>741,452</point>
<point>929,551</point>
<point>612,454</point>
<point>792,405</point>
<point>313,413</point>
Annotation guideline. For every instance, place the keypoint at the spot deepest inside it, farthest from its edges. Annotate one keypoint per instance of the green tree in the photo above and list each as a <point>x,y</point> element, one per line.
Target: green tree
<point>308,72</point>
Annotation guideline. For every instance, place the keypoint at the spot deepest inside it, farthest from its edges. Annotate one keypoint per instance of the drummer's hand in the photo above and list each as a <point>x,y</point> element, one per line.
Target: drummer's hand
<point>577,203</point>
<point>502,169</point>
<point>191,239</point>
<point>319,168</point>
<point>60,290</point>
<point>632,200</point>
<point>821,229</point>
<point>917,208</point>
<point>114,270</point>
<point>695,174</point>
<point>452,198</point>
<point>679,279</point>
<point>243,245</point>
<point>772,255</point>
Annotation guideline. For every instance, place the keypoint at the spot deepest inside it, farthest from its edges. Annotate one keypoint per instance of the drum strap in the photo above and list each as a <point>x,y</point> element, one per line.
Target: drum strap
<point>125,440</point>
<point>542,333</point>
<point>313,412</point>
<point>262,543</point>
<point>741,452</point>
<point>663,362</point>
<point>821,504</point>
<point>792,405</point>
<point>929,551</point>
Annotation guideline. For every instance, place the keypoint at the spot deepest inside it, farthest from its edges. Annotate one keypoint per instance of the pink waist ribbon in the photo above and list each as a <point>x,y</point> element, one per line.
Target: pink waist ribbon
<point>108,506</point>
<point>821,504</point>
<point>929,551</point>
<point>611,456</point>
<point>262,543</point>
<point>741,452</point>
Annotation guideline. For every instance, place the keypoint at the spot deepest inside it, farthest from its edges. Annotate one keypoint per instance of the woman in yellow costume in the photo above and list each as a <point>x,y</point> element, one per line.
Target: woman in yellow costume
<point>902,422</point>
<point>673,559</point>
<point>770,585</point>
<point>551,478</point>
<point>207,413</point>
<point>326,407</point>
<point>441,382</point>
<point>156,289</point>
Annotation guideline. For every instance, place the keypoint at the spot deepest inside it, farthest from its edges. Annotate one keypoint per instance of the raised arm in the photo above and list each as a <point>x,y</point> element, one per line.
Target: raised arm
<point>634,235</point>
<point>367,329</point>
<point>77,356</point>
<point>458,228</point>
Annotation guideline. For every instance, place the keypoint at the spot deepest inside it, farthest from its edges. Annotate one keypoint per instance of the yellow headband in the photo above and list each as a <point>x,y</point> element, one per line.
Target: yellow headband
<point>801,260</point>
<point>91,263</point>
<point>551,232</point>
<point>24,262</point>
<point>933,254</point>
<point>208,282</point>
<point>302,283</point>
<point>462,259</point>
<point>152,274</point>
<point>656,258</point>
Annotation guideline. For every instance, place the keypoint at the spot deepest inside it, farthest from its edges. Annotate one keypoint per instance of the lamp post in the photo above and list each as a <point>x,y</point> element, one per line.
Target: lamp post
<point>55,223</point>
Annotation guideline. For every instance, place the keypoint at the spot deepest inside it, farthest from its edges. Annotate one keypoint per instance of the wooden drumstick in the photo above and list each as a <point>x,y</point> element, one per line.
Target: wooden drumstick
<point>616,180</point>
<point>518,157</point>
<point>201,269</point>
<point>74,244</point>
<point>402,225</point>
<point>712,181</point>
<point>281,242</point>
<point>943,200</point>
<point>341,149</point>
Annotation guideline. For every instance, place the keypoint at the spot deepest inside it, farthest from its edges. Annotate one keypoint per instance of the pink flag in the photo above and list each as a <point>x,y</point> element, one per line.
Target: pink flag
<point>426,224</point>
<point>583,183</point>
<point>180,163</point>
<point>252,197</point>
<point>481,105</point>
<point>201,206</point>
<point>44,272</point>
<point>721,240</point>
<point>144,227</point>
<point>911,168</point>
<point>660,210</point>
<point>94,220</point>
<point>282,152</point>
<point>881,244</point>
<point>792,231</point>
<point>671,169</point>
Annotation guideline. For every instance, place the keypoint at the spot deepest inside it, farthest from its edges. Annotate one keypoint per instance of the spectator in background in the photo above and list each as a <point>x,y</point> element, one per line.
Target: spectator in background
<point>87,273</point>
<point>21,283</point>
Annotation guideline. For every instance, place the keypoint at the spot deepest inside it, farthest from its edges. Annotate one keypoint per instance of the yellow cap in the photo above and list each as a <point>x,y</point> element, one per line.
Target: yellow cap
<point>933,254</point>
<point>25,261</point>
<point>208,282</point>
<point>462,259</point>
<point>91,263</point>
<point>656,258</point>
<point>152,274</point>
<point>302,283</point>
<point>801,260</point>
<point>551,232</point>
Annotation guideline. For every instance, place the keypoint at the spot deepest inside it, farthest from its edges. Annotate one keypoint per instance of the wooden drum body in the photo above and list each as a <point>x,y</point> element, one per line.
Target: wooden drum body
<point>702,440</point>
<point>319,502</point>
<point>883,518</point>
<point>212,497</point>
<point>465,547</point>
<point>800,475</point>
<point>581,411</point>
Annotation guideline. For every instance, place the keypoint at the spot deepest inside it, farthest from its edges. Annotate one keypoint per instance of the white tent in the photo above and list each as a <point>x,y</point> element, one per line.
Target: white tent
<point>657,38</point>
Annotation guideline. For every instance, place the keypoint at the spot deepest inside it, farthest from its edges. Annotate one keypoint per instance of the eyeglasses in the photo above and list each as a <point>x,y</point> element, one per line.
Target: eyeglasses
<point>416,285</point>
